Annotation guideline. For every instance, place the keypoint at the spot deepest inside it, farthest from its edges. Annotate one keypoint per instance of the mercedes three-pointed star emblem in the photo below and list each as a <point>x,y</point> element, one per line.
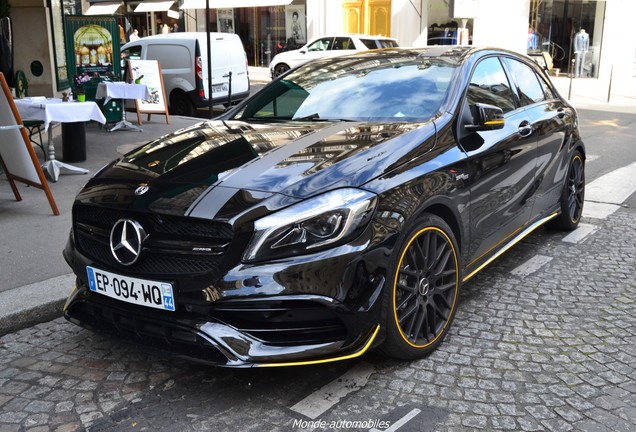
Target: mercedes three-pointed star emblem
<point>126,239</point>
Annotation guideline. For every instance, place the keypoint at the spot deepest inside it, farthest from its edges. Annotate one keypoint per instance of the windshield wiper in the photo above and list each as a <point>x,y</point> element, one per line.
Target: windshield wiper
<point>316,117</point>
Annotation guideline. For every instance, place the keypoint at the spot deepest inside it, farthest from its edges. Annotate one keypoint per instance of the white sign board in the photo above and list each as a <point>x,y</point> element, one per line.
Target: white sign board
<point>17,156</point>
<point>150,73</point>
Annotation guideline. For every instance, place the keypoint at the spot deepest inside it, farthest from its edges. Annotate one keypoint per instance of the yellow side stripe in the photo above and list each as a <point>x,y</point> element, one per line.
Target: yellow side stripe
<point>516,240</point>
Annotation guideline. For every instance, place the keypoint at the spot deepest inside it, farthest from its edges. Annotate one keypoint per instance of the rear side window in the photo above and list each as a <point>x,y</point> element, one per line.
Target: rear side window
<point>170,56</point>
<point>343,43</point>
<point>528,87</point>
<point>489,84</point>
<point>378,43</point>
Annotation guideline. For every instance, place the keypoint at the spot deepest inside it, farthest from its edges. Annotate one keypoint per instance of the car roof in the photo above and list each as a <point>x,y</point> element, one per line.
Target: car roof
<point>356,35</point>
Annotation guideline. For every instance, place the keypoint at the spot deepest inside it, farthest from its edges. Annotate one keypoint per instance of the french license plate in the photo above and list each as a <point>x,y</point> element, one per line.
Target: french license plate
<point>217,88</point>
<point>143,292</point>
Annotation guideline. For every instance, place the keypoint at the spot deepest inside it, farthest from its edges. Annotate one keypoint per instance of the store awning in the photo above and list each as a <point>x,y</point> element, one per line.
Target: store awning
<point>154,6</point>
<point>103,8</point>
<point>216,4</point>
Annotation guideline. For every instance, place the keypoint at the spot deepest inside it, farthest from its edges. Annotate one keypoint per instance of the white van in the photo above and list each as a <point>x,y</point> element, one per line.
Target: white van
<point>183,60</point>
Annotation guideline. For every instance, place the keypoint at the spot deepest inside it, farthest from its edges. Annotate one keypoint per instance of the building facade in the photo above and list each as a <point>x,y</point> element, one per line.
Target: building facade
<point>530,26</point>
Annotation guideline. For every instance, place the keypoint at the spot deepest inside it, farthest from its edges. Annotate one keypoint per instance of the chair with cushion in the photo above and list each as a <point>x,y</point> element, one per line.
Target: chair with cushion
<point>34,127</point>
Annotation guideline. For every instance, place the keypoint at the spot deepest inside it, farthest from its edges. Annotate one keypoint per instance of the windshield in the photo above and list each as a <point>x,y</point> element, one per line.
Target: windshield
<point>356,88</point>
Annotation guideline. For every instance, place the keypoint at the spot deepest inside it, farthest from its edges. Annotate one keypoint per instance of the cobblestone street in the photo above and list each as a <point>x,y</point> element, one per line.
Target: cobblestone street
<point>553,349</point>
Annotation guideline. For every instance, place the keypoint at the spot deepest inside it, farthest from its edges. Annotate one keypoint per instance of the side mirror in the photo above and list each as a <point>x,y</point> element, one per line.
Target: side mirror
<point>486,117</point>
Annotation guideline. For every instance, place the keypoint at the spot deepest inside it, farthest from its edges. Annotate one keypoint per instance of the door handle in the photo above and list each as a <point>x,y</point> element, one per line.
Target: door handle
<point>525,129</point>
<point>561,113</point>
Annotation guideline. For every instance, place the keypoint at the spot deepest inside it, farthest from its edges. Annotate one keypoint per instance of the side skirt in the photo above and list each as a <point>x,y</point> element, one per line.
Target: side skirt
<point>511,243</point>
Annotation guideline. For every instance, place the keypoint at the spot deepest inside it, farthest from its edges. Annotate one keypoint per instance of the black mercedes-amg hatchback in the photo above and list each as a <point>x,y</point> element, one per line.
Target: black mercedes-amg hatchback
<point>337,210</point>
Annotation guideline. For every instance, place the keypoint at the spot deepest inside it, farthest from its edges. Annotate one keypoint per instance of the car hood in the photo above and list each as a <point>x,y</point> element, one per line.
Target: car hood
<point>217,169</point>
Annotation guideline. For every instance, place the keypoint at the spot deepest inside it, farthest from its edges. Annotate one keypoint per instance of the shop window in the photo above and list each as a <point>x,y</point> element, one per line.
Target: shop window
<point>570,32</point>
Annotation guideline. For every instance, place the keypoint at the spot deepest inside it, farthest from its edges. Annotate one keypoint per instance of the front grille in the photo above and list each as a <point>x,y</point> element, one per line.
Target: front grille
<point>176,245</point>
<point>282,321</point>
<point>140,329</point>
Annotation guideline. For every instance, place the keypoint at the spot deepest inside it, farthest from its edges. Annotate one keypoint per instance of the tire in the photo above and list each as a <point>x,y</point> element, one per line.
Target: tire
<point>572,196</point>
<point>422,290</point>
<point>180,104</point>
<point>280,69</point>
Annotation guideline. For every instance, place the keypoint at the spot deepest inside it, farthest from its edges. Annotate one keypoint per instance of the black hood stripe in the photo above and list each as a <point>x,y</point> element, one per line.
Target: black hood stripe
<point>208,205</point>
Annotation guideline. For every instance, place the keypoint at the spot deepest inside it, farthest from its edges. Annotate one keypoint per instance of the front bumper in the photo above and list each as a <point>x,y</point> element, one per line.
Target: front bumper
<point>220,343</point>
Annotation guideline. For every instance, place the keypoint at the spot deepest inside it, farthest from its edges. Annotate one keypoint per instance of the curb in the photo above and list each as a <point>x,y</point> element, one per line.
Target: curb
<point>32,304</point>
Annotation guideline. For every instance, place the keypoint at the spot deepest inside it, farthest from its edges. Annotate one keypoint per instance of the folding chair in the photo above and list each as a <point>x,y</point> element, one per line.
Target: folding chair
<point>34,127</point>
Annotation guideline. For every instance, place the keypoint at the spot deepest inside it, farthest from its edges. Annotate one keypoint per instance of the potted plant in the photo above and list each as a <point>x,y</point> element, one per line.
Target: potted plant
<point>80,80</point>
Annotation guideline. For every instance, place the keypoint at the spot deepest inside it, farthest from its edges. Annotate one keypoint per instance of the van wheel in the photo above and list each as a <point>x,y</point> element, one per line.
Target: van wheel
<point>180,105</point>
<point>280,69</point>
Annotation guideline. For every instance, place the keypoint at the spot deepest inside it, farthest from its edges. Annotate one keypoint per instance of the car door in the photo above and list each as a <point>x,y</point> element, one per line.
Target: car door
<point>501,163</point>
<point>551,121</point>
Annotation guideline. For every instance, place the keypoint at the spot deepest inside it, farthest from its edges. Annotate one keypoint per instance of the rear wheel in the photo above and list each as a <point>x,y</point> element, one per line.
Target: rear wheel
<point>180,104</point>
<point>422,297</point>
<point>280,69</point>
<point>573,195</point>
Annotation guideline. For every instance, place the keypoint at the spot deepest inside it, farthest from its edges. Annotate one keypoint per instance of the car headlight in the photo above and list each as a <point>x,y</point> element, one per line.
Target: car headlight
<point>323,221</point>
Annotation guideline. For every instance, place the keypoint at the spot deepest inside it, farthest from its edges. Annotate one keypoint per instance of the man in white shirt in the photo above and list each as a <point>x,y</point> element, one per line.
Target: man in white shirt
<point>134,35</point>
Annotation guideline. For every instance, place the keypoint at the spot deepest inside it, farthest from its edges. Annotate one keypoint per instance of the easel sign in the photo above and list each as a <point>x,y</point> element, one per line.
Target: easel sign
<point>150,73</point>
<point>17,157</point>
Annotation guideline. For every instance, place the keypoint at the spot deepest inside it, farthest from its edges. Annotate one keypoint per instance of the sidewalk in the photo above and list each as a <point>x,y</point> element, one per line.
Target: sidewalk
<point>35,278</point>
<point>598,94</point>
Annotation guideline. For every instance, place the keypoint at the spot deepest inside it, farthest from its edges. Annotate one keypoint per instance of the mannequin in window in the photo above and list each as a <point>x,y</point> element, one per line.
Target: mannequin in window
<point>581,47</point>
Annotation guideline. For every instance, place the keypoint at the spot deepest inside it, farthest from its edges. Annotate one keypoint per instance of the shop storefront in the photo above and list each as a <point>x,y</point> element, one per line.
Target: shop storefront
<point>570,31</point>
<point>265,30</point>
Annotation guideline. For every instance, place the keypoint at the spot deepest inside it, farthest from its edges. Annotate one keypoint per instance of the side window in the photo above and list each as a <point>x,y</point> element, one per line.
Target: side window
<point>369,43</point>
<point>320,45</point>
<point>342,43</point>
<point>547,90</point>
<point>490,85</point>
<point>528,87</point>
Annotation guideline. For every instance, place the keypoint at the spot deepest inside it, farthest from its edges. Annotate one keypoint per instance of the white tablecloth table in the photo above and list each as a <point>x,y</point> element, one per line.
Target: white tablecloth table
<point>54,110</point>
<point>121,90</point>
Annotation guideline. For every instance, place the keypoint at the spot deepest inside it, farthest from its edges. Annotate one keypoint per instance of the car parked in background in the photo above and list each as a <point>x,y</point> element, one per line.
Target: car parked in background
<point>184,68</point>
<point>337,210</point>
<point>327,46</point>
